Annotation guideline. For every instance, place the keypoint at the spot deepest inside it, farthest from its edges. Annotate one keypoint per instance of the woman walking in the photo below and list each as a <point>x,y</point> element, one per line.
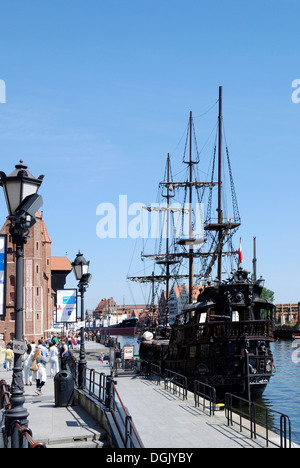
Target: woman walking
<point>39,370</point>
<point>54,360</point>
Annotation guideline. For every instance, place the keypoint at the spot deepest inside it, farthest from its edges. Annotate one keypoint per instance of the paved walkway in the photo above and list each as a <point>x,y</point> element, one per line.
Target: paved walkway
<point>161,419</point>
<point>165,421</point>
<point>58,427</point>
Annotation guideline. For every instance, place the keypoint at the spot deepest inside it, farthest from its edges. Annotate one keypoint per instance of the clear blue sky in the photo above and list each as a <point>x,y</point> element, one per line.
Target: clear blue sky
<point>98,92</point>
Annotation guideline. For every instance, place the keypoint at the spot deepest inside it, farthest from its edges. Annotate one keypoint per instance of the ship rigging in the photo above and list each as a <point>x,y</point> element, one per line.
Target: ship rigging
<point>188,232</point>
<point>223,337</point>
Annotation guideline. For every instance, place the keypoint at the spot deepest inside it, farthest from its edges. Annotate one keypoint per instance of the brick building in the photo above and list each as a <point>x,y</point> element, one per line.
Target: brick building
<point>38,295</point>
<point>287,313</point>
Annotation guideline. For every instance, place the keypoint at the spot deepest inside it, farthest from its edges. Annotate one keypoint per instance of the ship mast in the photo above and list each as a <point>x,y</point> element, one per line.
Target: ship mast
<point>168,196</point>
<point>191,234</point>
<point>222,229</point>
<point>220,213</point>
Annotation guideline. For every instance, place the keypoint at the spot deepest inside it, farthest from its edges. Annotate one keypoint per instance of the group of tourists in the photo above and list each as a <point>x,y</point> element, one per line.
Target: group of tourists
<point>36,357</point>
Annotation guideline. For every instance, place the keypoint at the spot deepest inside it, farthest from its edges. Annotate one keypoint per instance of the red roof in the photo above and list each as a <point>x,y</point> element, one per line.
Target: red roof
<point>60,264</point>
<point>46,237</point>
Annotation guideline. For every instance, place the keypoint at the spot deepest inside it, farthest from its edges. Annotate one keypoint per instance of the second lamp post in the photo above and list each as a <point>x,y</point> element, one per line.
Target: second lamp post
<point>81,271</point>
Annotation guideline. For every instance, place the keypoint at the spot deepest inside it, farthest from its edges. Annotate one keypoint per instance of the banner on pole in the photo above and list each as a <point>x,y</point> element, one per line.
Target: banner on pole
<point>66,308</point>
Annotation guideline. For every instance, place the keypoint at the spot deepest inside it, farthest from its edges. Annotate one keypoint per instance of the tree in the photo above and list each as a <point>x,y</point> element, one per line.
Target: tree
<point>268,294</point>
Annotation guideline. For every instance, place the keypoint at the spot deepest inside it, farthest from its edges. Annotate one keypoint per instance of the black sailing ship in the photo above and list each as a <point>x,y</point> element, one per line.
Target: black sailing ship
<point>223,339</point>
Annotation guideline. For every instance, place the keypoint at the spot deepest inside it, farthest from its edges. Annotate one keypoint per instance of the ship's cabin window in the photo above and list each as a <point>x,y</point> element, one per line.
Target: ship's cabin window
<point>235,316</point>
<point>212,314</point>
<point>203,317</point>
<point>264,312</point>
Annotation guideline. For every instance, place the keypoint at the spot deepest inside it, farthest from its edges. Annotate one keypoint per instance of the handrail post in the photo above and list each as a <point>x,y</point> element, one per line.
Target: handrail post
<point>108,396</point>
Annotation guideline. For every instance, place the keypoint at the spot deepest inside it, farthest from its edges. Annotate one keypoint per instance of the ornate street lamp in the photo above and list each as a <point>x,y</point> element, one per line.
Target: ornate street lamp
<point>81,271</point>
<point>19,185</point>
<point>20,190</point>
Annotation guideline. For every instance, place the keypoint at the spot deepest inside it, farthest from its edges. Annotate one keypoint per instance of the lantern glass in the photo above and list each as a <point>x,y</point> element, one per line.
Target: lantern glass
<point>80,266</point>
<point>19,185</point>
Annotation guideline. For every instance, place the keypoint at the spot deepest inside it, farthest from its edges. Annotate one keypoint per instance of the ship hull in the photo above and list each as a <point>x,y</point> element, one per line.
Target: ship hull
<point>237,374</point>
<point>129,331</point>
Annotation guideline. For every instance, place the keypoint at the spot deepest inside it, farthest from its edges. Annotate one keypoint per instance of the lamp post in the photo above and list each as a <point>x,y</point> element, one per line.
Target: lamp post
<point>81,271</point>
<point>20,190</point>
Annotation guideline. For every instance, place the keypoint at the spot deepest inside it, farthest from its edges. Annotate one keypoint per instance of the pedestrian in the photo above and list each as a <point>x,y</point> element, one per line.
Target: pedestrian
<point>54,340</point>
<point>9,357</point>
<point>39,375</point>
<point>53,360</point>
<point>69,342</point>
<point>64,354</point>
<point>43,347</point>
<point>102,357</point>
<point>28,362</point>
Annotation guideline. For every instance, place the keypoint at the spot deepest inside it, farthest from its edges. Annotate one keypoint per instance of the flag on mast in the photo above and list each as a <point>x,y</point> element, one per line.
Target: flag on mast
<point>240,252</point>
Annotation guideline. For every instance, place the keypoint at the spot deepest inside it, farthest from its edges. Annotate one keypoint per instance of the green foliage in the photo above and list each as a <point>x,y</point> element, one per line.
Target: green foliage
<point>268,294</point>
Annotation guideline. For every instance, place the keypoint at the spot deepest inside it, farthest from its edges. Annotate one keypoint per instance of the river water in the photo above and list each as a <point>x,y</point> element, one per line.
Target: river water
<point>283,392</point>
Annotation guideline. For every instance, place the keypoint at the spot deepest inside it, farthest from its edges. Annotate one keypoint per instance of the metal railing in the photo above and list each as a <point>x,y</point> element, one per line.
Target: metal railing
<point>123,367</point>
<point>173,381</point>
<point>276,425</point>
<point>176,383</point>
<point>155,373</point>
<point>208,395</point>
<point>122,418</point>
<point>102,387</point>
<point>16,436</point>
<point>263,423</point>
<point>22,438</point>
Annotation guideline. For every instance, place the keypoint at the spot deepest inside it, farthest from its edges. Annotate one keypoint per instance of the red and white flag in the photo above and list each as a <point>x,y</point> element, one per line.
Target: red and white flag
<point>240,252</point>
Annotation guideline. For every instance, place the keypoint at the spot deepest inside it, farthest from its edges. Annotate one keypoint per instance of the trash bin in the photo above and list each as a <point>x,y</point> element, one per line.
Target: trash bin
<point>63,389</point>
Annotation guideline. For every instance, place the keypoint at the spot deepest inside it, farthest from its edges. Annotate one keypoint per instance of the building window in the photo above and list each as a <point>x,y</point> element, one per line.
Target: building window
<point>37,268</point>
<point>37,246</point>
<point>12,280</point>
<point>37,291</point>
<point>12,297</point>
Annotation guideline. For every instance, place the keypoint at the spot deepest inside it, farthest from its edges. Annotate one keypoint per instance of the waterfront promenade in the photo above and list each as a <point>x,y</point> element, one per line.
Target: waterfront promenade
<point>58,427</point>
<point>161,419</point>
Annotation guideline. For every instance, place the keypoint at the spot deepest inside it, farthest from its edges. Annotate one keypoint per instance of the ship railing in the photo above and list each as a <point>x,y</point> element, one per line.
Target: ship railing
<point>176,383</point>
<point>252,417</point>
<point>15,436</point>
<point>216,329</point>
<point>208,395</point>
